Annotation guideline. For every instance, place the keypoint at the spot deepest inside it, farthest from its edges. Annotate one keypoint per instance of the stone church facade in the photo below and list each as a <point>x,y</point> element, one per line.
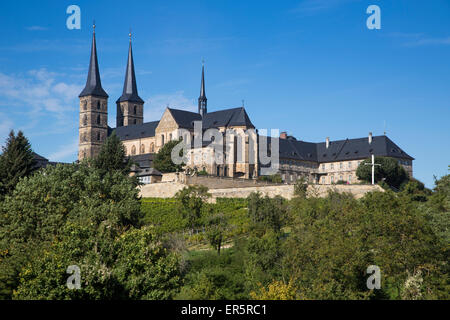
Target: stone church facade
<point>325,163</point>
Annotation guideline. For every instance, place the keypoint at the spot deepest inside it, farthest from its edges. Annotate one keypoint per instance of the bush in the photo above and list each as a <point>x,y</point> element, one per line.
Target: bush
<point>389,170</point>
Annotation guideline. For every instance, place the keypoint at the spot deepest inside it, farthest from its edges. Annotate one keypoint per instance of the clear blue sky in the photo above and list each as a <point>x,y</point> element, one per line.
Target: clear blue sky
<point>309,67</point>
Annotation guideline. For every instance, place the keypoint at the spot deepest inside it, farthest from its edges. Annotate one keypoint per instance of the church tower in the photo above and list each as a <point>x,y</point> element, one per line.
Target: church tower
<point>130,107</point>
<point>93,126</point>
<point>202,101</point>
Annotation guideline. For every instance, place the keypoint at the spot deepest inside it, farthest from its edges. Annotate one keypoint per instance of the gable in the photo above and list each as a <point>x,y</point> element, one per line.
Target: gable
<point>167,122</point>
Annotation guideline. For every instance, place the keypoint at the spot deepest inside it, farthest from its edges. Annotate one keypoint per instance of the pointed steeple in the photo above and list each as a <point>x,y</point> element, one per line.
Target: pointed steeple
<point>202,101</point>
<point>93,83</point>
<point>130,92</point>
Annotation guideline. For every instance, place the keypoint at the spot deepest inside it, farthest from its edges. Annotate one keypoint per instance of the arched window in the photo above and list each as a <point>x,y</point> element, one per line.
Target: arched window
<point>142,148</point>
<point>135,110</point>
<point>170,137</point>
<point>152,147</point>
<point>85,120</point>
<point>84,137</point>
<point>98,136</point>
<point>162,139</point>
<point>85,105</point>
<point>133,150</point>
<point>134,121</point>
<point>98,119</point>
<point>98,105</point>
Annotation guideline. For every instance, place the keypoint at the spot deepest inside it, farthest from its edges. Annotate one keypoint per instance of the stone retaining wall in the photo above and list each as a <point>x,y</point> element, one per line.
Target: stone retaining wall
<point>168,190</point>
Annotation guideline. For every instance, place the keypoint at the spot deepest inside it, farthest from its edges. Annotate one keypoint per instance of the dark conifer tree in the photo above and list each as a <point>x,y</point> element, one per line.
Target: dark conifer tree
<point>16,161</point>
<point>112,156</point>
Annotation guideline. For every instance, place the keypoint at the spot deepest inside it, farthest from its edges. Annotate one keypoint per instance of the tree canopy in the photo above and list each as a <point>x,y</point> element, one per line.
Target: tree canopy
<point>163,159</point>
<point>16,161</point>
<point>112,156</point>
<point>389,171</point>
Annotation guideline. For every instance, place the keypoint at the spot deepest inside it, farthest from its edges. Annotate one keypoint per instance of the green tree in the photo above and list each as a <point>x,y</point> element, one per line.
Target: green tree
<point>416,190</point>
<point>217,226</point>
<point>16,161</point>
<point>112,156</point>
<point>266,213</point>
<point>263,257</point>
<point>191,201</point>
<point>163,159</point>
<point>40,206</point>
<point>136,267</point>
<point>334,239</point>
<point>301,188</point>
<point>389,171</point>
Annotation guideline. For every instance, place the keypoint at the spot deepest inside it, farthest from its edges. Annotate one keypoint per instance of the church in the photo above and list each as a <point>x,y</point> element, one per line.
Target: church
<point>325,162</point>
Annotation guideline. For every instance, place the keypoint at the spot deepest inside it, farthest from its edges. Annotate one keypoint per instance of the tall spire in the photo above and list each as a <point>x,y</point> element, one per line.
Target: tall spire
<point>130,92</point>
<point>93,83</point>
<point>202,101</point>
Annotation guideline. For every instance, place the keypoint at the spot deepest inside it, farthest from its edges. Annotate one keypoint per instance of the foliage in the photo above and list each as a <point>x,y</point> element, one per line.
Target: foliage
<point>136,266</point>
<point>163,215</point>
<point>266,213</point>
<point>163,159</point>
<point>202,173</point>
<point>274,178</point>
<point>214,277</point>
<point>191,201</point>
<point>33,217</point>
<point>144,268</point>
<point>300,188</point>
<point>334,240</point>
<point>262,259</point>
<point>276,290</point>
<point>16,161</point>
<point>112,156</point>
<point>389,169</point>
<point>416,190</point>
<point>216,229</point>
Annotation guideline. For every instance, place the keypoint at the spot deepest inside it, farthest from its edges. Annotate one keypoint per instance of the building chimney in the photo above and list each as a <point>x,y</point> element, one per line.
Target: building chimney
<point>283,135</point>
<point>370,137</point>
<point>327,142</point>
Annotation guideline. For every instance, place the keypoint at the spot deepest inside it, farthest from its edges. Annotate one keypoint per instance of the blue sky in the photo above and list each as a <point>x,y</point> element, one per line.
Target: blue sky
<point>309,67</point>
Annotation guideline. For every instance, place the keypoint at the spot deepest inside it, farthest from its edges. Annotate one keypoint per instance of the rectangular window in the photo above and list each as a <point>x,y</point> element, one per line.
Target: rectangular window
<point>349,165</point>
<point>350,179</point>
<point>332,166</point>
<point>323,180</point>
<point>332,179</point>
<point>340,165</point>
<point>323,167</point>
